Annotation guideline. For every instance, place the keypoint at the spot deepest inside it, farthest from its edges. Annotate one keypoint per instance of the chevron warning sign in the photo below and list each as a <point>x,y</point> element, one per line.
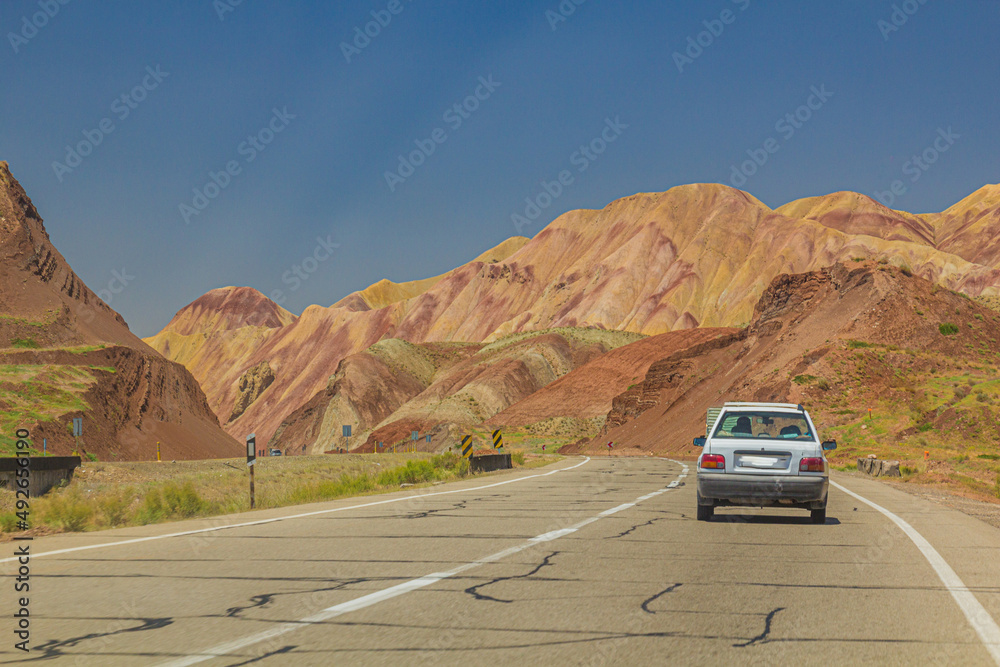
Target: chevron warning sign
<point>467,446</point>
<point>497,439</point>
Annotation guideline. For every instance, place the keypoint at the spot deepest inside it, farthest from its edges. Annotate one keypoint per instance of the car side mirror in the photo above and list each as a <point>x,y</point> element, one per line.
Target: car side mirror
<point>699,442</point>
<point>829,445</point>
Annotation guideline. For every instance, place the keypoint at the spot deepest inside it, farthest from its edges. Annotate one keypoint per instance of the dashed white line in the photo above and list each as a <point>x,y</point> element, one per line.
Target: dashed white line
<point>388,593</point>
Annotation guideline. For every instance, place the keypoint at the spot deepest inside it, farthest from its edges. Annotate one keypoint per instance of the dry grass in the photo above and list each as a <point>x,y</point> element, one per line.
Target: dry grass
<point>107,495</point>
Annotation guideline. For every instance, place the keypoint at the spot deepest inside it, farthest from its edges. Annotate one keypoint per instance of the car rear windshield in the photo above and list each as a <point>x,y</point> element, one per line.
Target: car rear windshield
<point>764,425</point>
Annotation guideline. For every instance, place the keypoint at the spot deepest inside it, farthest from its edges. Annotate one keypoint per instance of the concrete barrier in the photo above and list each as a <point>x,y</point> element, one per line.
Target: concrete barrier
<point>490,462</point>
<point>46,472</point>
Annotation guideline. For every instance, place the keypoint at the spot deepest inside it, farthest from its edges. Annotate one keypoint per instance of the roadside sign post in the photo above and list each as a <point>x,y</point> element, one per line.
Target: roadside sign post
<point>414,436</point>
<point>251,459</point>
<point>45,446</point>
<point>77,431</point>
<point>347,435</point>
<point>610,445</point>
<point>497,439</point>
<point>428,439</point>
<point>467,446</point>
<point>158,460</point>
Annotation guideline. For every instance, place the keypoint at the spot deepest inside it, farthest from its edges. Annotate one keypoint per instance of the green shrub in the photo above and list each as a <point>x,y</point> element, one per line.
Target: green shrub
<point>182,501</point>
<point>68,511</point>
<point>26,343</point>
<point>926,426</point>
<point>8,522</point>
<point>855,344</point>
<point>151,510</point>
<point>517,458</point>
<point>803,379</point>
<point>823,384</point>
<point>948,329</point>
<point>114,508</point>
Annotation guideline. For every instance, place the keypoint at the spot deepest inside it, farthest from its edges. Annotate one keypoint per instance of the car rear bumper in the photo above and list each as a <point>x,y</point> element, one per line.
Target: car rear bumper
<point>744,489</point>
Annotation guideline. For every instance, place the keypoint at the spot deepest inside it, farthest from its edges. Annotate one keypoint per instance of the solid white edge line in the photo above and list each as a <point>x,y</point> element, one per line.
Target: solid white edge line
<point>380,596</point>
<point>978,617</point>
<point>261,522</point>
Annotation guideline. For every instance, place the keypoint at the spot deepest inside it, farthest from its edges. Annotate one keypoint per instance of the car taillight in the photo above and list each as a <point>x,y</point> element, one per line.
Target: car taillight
<point>713,461</point>
<point>811,465</point>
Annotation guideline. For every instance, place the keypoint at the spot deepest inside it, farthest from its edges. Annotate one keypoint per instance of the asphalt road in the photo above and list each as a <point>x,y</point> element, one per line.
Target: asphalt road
<point>523,568</point>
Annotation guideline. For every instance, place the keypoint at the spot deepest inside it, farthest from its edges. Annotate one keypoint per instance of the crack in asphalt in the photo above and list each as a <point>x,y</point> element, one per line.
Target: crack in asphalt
<point>635,528</point>
<point>264,599</point>
<point>474,590</point>
<point>460,505</point>
<point>762,637</point>
<point>269,654</point>
<point>668,589</point>
<point>52,649</point>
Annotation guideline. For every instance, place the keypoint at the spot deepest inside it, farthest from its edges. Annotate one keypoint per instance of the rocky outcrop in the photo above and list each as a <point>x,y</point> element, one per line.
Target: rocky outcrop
<point>878,467</point>
<point>253,382</point>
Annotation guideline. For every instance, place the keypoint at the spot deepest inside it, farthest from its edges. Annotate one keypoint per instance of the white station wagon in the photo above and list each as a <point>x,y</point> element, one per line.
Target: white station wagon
<point>760,455</point>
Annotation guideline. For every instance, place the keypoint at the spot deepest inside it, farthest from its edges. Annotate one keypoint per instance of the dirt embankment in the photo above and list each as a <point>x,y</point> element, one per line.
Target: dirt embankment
<point>839,340</point>
<point>136,401</point>
<point>588,391</point>
<point>64,353</point>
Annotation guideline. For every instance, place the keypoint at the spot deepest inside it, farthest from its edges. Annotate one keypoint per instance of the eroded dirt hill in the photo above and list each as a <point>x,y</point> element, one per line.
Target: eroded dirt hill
<point>840,340</point>
<point>66,354</point>
<point>696,255</point>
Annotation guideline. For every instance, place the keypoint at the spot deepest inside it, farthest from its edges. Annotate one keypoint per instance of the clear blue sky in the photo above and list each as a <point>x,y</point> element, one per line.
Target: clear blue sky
<point>323,174</point>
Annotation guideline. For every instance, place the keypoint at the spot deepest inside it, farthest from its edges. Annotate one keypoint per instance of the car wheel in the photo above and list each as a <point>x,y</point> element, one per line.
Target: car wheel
<point>705,512</point>
<point>817,516</point>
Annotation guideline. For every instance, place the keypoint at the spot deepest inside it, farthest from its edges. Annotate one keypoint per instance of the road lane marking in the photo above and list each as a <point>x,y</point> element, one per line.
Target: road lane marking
<point>978,617</point>
<point>380,596</point>
<point>261,522</point>
<point>615,510</point>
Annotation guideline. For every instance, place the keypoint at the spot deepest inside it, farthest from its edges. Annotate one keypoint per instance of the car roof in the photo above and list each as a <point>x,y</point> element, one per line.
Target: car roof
<point>734,406</point>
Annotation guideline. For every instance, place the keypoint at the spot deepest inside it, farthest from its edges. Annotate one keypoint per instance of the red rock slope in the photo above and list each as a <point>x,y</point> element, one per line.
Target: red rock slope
<point>696,255</point>
<point>64,353</point>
